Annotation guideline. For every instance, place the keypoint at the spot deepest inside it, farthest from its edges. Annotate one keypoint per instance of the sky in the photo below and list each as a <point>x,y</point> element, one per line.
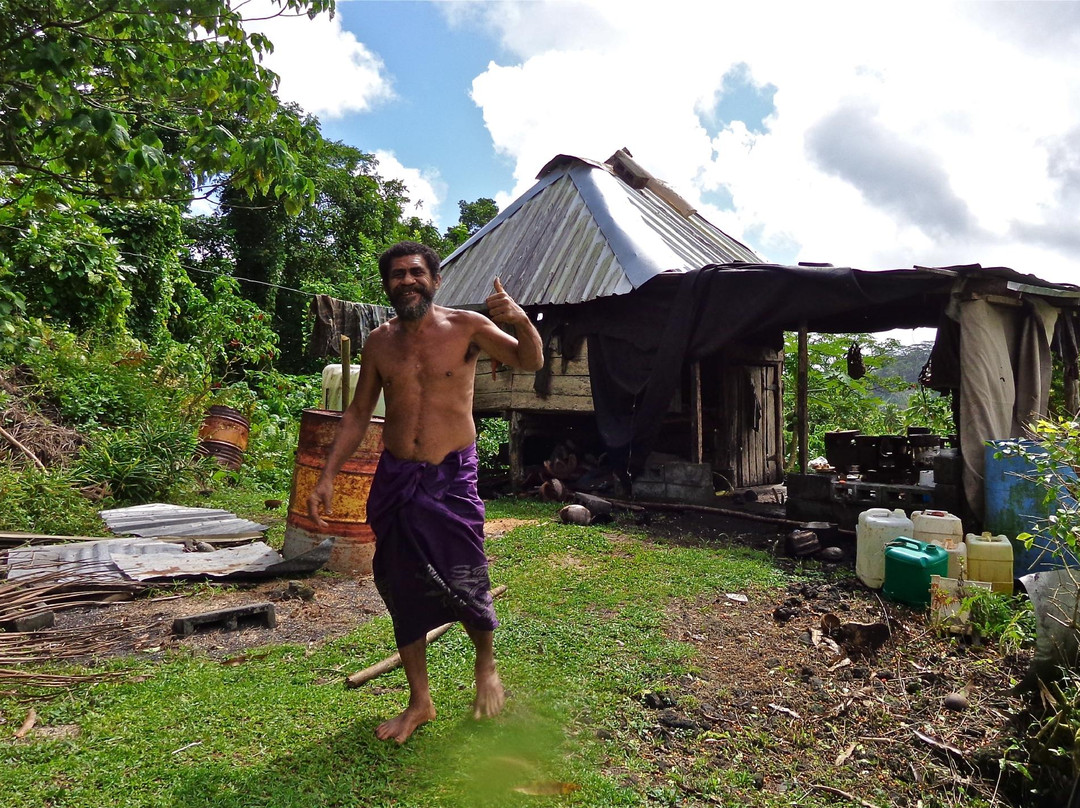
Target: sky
<point>875,135</point>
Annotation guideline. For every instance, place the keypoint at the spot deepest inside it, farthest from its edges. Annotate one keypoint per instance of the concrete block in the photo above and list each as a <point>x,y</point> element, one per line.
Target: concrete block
<point>256,614</point>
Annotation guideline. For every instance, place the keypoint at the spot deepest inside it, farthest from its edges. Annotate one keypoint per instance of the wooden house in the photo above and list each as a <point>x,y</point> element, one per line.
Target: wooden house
<point>663,335</point>
<point>589,232</point>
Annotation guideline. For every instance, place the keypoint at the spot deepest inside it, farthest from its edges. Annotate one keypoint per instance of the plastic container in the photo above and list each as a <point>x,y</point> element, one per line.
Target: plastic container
<point>1015,503</point>
<point>876,528</point>
<point>945,530</point>
<point>939,527</point>
<point>990,559</point>
<point>331,389</point>
<point>908,567</point>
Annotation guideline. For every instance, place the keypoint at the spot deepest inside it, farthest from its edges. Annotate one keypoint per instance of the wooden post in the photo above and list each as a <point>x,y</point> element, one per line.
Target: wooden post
<point>801,406</point>
<point>696,416</point>
<point>346,372</point>
<point>1072,388</point>
<point>778,404</point>
<point>517,450</point>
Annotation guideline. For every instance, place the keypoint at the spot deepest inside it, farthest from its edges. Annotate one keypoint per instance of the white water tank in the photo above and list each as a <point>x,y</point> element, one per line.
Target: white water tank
<point>331,389</point>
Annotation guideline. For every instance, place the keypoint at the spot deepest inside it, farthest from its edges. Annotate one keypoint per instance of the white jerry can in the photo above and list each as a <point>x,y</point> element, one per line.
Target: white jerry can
<point>876,528</point>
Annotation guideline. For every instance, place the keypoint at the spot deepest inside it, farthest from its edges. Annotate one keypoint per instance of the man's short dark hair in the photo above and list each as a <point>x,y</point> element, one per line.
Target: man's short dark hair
<point>406,248</point>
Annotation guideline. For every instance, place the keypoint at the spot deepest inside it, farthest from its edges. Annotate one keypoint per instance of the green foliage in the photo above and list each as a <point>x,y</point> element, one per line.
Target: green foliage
<point>150,241</point>
<point>225,334</point>
<point>148,462</point>
<point>46,502</point>
<point>275,421</point>
<point>1007,620</point>
<point>144,102</point>
<point>491,434</point>
<point>328,248</point>
<point>474,215</point>
<point>12,306</point>
<point>63,266</point>
<point>879,403</point>
<point>96,384</point>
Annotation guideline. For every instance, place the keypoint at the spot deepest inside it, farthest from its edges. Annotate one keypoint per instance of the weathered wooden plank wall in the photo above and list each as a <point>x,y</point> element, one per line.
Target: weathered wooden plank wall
<point>513,389</point>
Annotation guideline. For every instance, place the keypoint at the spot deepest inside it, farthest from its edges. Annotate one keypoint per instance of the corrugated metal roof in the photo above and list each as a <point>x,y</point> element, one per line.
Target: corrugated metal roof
<point>581,233</point>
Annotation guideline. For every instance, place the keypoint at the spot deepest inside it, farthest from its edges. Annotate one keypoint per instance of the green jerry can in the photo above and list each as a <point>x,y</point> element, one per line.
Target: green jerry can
<point>908,567</point>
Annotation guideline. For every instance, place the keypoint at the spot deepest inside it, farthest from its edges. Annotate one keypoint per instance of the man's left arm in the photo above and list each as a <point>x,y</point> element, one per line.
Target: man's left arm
<point>523,352</point>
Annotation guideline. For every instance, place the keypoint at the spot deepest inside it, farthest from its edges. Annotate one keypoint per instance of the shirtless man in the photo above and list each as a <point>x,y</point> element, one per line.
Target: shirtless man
<point>429,560</point>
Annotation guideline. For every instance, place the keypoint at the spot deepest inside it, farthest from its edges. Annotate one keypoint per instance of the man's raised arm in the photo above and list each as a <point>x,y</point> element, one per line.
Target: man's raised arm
<point>525,352</point>
<point>351,430</point>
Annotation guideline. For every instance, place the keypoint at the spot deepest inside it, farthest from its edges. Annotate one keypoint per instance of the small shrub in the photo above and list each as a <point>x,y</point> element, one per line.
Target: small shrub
<point>144,463</point>
<point>38,501</point>
<point>88,383</point>
<point>491,433</point>
<point>1007,620</point>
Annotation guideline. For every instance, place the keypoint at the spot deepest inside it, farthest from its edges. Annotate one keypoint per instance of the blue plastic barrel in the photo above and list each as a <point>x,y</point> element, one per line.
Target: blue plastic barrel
<point>1014,504</point>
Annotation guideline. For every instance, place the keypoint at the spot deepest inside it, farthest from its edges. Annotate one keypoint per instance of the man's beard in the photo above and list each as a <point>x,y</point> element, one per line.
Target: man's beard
<point>416,310</point>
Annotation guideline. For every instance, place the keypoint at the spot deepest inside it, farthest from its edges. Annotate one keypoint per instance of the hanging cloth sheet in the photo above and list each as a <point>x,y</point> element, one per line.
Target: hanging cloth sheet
<point>335,319</point>
<point>1005,384</point>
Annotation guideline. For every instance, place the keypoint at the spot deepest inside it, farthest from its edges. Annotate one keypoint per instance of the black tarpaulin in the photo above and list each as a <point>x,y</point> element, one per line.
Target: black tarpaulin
<point>638,343</point>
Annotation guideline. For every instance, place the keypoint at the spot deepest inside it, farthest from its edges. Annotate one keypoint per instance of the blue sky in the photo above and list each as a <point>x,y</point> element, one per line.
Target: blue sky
<point>810,131</point>
<point>431,124</point>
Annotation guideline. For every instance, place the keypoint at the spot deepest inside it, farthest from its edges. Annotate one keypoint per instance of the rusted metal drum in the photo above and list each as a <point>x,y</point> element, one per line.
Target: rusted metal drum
<point>224,436</point>
<point>355,543</point>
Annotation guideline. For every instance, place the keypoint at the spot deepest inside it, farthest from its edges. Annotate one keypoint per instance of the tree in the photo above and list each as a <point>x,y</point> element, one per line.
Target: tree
<point>139,100</point>
<point>872,403</point>
<point>328,247</point>
<point>473,216</point>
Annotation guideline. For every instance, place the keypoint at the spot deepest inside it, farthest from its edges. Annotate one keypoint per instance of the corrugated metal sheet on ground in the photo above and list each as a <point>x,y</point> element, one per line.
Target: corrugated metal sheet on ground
<point>159,519</point>
<point>141,559</point>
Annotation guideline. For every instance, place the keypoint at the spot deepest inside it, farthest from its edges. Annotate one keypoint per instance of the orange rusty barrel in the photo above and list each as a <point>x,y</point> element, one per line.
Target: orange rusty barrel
<point>224,436</point>
<point>355,543</point>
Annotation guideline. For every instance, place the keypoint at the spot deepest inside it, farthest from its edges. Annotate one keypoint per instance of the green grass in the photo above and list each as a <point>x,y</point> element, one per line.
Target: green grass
<point>582,637</point>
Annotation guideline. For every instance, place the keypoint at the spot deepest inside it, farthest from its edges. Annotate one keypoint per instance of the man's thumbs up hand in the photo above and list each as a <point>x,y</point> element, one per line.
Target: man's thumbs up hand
<point>502,308</point>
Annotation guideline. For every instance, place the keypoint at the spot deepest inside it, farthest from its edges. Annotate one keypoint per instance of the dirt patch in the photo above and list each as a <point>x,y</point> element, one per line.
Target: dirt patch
<point>338,604</point>
<point>778,713</point>
<point>497,527</point>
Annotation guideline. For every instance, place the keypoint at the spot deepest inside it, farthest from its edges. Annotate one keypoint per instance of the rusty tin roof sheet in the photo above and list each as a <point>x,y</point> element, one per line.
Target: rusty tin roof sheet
<point>580,233</point>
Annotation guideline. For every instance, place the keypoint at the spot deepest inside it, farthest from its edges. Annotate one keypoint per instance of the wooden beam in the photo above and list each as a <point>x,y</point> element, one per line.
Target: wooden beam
<point>802,395</point>
<point>696,416</point>
<point>346,372</point>
<point>517,450</point>
<point>778,404</point>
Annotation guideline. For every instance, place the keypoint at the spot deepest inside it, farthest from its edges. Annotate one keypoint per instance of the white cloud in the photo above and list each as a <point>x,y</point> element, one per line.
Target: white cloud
<point>323,68</point>
<point>426,190</point>
<point>915,133</point>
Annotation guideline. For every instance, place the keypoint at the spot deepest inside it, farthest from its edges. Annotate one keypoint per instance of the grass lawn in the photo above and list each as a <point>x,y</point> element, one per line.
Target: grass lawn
<point>582,639</point>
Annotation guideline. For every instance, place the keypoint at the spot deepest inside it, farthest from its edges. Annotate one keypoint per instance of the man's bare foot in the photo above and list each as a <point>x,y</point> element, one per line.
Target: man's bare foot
<point>400,728</point>
<point>490,696</point>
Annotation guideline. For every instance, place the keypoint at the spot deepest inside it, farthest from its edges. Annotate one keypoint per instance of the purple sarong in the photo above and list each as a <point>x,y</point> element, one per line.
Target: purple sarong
<point>429,564</point>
